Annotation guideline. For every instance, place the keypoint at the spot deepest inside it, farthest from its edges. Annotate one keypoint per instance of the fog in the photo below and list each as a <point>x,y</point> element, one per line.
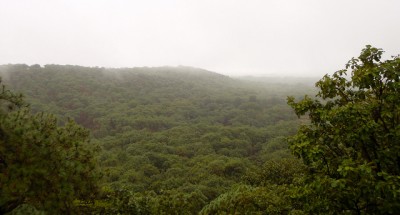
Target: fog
<point>231,37</point>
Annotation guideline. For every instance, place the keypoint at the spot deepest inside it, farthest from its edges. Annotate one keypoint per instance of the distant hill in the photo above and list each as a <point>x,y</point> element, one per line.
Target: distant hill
<point>91,94</point>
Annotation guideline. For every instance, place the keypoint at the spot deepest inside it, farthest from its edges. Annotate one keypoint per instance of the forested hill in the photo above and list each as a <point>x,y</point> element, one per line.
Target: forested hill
<point>178,136</point>
<point>170,95</point>
<point>180,140</point>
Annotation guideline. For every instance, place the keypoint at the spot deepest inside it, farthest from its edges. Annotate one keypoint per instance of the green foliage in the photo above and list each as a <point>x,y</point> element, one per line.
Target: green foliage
<point>266,190</point>
<point>251,200</point>
<point>351,143</point>
<point>173,139</point>
<point>284,171</point>
<point>41,164</point>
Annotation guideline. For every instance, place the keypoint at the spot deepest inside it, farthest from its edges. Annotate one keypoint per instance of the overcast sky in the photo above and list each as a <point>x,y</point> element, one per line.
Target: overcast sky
<point>232,37</point>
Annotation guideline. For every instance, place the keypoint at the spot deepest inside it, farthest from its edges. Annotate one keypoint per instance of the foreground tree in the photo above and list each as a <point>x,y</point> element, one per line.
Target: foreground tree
<point>42,165</point>
<point>352,144</point>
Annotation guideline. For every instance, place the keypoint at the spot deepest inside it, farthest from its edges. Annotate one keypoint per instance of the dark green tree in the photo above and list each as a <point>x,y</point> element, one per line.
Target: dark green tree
<point>351,144</point>
<point>41,164</point>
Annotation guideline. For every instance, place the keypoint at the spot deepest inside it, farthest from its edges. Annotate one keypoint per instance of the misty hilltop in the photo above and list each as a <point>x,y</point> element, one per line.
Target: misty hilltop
<point>77,92</point>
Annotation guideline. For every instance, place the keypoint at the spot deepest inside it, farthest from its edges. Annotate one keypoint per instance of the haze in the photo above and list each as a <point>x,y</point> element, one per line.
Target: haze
<point>253,37</point>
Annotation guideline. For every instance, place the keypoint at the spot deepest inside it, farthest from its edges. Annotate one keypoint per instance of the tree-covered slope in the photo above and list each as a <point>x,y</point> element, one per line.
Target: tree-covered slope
<point>178,136</point>
<point>185,95</point>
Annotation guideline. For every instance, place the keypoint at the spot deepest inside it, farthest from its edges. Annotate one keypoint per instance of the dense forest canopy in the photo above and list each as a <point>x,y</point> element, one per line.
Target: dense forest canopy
<point>182,140</point>
<point>167,133</point>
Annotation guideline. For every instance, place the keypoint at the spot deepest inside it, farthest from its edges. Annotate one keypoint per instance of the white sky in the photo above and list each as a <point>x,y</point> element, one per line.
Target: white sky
<point>232,37</point>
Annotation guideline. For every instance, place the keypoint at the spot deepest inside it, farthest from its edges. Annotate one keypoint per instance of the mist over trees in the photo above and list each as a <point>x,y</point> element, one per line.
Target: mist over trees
<point>182,140</point>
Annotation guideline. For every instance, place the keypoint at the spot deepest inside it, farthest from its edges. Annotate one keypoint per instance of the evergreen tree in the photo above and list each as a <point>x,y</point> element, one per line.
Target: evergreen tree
<point>41,164</point>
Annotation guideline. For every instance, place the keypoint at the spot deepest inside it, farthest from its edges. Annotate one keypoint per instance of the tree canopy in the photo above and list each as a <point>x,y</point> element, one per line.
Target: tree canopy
<point>351,143</point>
<point>171,137</point>
<point>185,140</point>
